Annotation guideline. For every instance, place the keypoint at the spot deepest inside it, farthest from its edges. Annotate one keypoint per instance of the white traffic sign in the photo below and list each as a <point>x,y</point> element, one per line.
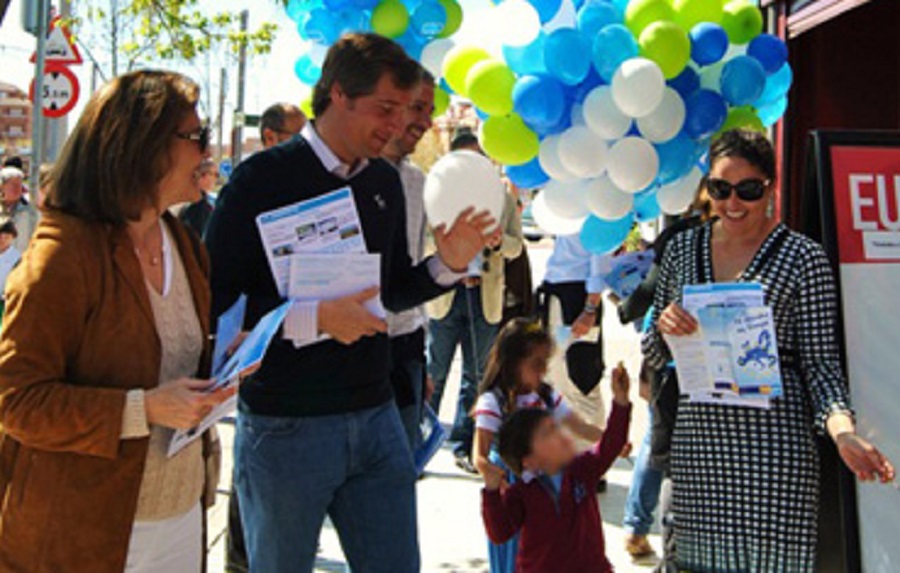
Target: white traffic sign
<point>59,47</point>
<point>61,91</point>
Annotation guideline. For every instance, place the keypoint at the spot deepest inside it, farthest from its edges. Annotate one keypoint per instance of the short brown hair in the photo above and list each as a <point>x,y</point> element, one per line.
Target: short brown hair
<point>111,166</point>
<point>357,62</point>
<point>517,434</point>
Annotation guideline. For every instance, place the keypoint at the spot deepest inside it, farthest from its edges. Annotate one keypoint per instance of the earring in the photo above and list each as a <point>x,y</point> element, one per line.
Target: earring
<point>770,210</point>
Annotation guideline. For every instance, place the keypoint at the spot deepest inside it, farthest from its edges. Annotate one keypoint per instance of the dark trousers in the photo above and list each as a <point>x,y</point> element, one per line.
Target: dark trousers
<point>235,551</point>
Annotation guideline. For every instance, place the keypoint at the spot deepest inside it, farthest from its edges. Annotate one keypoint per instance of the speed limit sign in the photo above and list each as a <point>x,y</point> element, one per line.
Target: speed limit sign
<point>61,90</point>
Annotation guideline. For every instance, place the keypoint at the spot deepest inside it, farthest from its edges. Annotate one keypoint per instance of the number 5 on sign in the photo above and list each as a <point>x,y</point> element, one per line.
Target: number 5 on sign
<point>61,91</point>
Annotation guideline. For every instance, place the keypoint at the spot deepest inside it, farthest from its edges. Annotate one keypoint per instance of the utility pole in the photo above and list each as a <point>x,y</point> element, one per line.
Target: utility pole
<point>223,86</point>
<point>57,129</point>
<point>237,140</point>
<point>114,36</point>
<point>37,109</point>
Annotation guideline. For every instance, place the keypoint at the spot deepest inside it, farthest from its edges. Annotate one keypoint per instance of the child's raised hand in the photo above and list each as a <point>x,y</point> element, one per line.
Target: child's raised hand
<point>621,384</point>
<point>494,477</point>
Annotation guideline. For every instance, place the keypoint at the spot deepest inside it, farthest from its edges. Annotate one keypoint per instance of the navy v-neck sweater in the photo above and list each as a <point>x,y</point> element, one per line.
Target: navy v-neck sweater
<point>326,378</point>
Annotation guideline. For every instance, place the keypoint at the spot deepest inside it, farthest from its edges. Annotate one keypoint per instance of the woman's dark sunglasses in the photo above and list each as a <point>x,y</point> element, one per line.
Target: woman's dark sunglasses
<point>747,190</point>
<point>200,135</point>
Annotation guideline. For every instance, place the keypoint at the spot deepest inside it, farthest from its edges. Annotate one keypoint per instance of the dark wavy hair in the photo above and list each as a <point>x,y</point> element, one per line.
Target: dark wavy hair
<point>751,146</point>
<point>516,341</point>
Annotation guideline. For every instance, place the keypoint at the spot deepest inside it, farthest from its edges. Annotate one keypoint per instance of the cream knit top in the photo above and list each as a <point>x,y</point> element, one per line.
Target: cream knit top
<point>171,486</point>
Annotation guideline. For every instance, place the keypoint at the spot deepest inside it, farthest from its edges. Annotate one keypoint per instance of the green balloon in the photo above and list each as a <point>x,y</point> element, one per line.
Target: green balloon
<point>668,45</point>
<point>454,17</point>
<point>457,64</point>
<point>306,106</point>
<point>742,20</point>
<point>490,85</point>
<point>507,140</point>
<point>743,117</point>
<point>689,13</point>
<point>441,102</point>
<point>642,13</point>
<point>390,18</point>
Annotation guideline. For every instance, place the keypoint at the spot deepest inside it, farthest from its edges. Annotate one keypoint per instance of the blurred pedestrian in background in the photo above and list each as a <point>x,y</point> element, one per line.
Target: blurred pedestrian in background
<point>104,350</point>
<point>279,123</point>
<point>14,203</point>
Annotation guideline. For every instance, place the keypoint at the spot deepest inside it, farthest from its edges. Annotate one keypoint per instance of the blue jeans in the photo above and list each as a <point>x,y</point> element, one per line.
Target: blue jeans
<point>643,495</point>
<point>502,558</point>
<point>464,325</point>
<point>356,468</point>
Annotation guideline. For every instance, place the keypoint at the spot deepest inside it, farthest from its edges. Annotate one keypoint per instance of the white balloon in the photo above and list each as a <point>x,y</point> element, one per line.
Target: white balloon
<point>433,56</point>
<point>676,198</point>
<point>550,161</point>
<point>638,86</point>
<point>633,164</point>
<point>550,221</point>
<point>565,18</point>
<point>582,152</point>
<point>521,24</point>
<point>460,180</point>
<point>566,199</point>
<point>607,201</point>
<point>666,121</point>
<point>711,76</point>
<point>603,116</point>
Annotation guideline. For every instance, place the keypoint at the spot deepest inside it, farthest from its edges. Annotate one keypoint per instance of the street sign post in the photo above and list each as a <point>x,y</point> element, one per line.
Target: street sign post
<point>60,90</point>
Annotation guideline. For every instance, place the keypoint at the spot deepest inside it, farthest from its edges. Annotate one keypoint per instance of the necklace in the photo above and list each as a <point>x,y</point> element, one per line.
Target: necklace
<point>154,259</point>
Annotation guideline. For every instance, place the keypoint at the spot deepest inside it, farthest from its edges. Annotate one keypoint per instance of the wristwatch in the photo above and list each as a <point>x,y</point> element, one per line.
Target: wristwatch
<point>590,308</point>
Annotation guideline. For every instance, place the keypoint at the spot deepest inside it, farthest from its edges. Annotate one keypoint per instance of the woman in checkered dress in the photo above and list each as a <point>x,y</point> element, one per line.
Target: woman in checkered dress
<point>746,480</point>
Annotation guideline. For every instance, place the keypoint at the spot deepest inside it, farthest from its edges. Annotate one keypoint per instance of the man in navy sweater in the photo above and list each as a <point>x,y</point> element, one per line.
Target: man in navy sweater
<point>318,431</point>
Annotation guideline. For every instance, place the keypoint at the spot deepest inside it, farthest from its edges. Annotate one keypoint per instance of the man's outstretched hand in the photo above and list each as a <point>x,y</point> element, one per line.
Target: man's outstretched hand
<point>469,235</point>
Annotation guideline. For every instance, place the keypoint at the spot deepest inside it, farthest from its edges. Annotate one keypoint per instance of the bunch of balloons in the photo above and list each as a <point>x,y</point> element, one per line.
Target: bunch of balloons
<point>609,106</point>
<point>414,24</point>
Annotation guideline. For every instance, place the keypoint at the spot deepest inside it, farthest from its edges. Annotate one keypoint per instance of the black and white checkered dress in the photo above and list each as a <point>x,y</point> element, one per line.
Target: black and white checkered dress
<point>746,481</point>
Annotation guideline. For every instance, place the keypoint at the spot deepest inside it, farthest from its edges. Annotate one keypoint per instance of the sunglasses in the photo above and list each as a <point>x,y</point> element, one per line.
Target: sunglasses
<point>747,190</point>
<point>201,135</point>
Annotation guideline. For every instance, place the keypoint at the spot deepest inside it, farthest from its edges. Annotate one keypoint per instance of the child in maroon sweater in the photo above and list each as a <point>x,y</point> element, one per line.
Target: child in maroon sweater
<point>554,505</point>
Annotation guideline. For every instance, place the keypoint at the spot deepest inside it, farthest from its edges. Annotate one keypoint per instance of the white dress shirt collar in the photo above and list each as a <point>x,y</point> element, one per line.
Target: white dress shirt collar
<point>329,159</point>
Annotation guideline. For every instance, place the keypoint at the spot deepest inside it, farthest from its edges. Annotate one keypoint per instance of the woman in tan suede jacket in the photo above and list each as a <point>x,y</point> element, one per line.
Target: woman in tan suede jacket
<point>104,341</point>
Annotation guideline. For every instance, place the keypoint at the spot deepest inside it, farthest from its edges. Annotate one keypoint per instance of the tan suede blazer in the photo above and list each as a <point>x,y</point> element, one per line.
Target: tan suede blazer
<point>79,332</point>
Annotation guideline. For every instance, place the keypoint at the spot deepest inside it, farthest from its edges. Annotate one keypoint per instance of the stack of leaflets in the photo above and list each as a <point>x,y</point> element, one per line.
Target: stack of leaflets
<point>733,358</point>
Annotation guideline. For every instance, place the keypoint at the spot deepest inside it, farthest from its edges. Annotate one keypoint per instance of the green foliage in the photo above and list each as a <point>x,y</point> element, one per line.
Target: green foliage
<point>141,31</point>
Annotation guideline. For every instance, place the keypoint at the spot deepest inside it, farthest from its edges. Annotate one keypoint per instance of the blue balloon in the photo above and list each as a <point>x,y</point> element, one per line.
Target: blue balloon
<point>445,86</point>
<point>336,5</point>
<point>307,71</point>
<point>481,115</point>
<point>320,26</point>
<point>706,113</point>
<point>429,19</point>
<point>777,86</point>
<point>366,4</point>
<point>566,56</point>
<point>590,83</point>
<point>743,80</point>
<point>601,237</point>
<point>546,9</point>
<point>612,45</point>
<point>412,43</point>
<point>621,5</point>
<point>770,51</point>
<point>686,83</point>
<point>772,112</point>
<point>564,123</point>
<point>646,207</point>
<point>352,20</point>
<point>296,10</point>
<point>676,158</point>
<point>527,176</point>
<point>595,15</point>
<point>709,42</point>
<point>527,59</point>
<point>540,100</point>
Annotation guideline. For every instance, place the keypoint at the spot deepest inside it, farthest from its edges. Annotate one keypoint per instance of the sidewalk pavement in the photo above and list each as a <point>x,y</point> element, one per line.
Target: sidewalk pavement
<point>451,534</point>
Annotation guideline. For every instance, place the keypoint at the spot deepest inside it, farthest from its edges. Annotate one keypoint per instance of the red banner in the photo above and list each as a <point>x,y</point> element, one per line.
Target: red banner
<point>867,203</point>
